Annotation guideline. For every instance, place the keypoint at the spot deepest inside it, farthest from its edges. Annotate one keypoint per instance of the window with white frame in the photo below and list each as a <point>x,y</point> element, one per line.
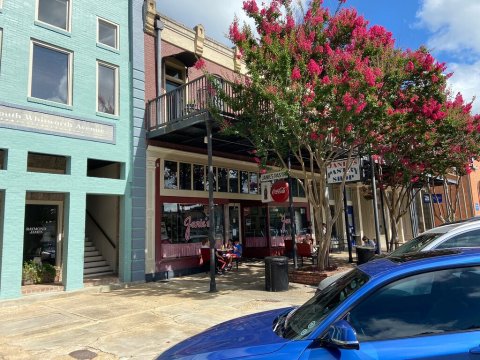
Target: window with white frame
<point>50,71</point>
<point>107,33</point>
<point>107,88</point>
<point>54,12</point>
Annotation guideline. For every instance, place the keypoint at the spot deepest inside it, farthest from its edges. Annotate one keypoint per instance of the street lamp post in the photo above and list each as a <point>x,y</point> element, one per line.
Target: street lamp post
<point>292,216</point>
<point>211,206</point>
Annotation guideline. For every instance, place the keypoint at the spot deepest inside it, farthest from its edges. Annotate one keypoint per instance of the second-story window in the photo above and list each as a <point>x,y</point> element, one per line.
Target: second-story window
<point>50,73</point>
<point>54,12</point>
<point>175,75</point>
<point>107,88</point>
<point>108,33</point>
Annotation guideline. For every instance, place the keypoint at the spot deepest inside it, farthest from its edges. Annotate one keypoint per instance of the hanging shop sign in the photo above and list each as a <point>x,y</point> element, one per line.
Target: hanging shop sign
<point>273,176</point>
<point>280,191</point>
<point>336,170</point>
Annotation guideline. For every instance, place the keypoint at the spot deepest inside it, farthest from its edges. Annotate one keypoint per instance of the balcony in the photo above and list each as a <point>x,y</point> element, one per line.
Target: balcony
<point>178,116</point>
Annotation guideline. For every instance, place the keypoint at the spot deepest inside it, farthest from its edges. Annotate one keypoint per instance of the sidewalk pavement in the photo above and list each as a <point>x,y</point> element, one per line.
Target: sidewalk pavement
<point>135,321</point>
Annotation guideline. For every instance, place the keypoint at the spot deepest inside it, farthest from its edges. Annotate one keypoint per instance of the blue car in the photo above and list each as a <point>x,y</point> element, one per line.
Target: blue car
<point>418,306</point>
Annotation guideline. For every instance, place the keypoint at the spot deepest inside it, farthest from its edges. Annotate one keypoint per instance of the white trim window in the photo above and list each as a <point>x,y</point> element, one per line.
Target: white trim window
<point>51,73</point>
<point>54,12</point>
<point>107,33</point>
<point>107,88</point>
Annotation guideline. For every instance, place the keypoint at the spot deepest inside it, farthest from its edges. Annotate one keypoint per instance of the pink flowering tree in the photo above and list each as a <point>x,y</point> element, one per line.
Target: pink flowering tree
<point>324,87</point>
<point>312,91</point>
<point>456,145</point>
<point>425,136</point>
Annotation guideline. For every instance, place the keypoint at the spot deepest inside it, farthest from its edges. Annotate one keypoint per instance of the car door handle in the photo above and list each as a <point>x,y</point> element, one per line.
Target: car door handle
<point>475,350</point>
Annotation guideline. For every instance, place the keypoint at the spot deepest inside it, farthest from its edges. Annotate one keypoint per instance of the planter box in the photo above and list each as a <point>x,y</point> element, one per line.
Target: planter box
<point>307,277</point>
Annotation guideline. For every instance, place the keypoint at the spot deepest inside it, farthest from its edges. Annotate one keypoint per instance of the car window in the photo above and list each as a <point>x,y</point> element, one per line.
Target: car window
<point>416,244</point>
<point>466,239</point>
<point>434,302</point>
<point>307,317</point>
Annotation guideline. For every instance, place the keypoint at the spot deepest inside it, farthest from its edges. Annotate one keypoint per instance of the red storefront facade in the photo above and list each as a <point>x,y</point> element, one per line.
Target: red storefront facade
<point>178,216</point>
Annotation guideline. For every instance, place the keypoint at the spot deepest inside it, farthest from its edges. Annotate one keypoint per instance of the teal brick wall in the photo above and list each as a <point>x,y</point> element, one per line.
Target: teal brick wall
<point>17,19</point>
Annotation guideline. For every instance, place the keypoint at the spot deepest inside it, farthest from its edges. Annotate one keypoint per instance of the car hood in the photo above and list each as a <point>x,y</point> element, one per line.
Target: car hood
<point>244,336</point>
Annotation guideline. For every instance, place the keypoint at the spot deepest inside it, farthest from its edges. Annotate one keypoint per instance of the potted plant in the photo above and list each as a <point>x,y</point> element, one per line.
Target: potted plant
<point>48,273</point>
<point>31,272</point>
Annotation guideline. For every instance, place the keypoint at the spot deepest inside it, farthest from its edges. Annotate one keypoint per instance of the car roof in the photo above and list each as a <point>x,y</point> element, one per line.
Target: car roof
<point>461,224</point>
<point>421,260</point>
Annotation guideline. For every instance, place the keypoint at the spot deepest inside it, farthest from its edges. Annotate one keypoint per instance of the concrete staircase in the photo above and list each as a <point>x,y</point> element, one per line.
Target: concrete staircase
<point>94,263</point>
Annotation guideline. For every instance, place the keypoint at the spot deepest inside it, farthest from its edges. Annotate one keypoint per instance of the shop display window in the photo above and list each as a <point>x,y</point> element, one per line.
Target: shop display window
<point>255,221</point>
<point>207,186</point>
<point>280,224</point>
<point>185,176</point>
<point>198,177</point>
<point>189,223</point>
<point>233,181</point>
<point>244,188</point>
<point>222,179</point>
<point>170,175</point>
<point>253,183</point>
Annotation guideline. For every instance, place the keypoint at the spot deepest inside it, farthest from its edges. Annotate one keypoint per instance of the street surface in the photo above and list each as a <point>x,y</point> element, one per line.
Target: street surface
<point>134,322</point>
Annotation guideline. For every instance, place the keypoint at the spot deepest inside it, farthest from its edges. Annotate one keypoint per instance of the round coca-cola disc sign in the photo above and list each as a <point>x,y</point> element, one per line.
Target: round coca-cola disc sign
<point>279,191</point>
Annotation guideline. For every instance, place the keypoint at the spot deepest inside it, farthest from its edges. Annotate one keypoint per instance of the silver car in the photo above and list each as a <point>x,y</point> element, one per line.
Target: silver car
<point>461,234</point>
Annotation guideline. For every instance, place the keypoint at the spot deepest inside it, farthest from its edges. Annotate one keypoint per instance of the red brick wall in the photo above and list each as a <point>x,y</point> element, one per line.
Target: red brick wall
<point>169,49</point>
<point>211,67</point>
<point>150,68</point>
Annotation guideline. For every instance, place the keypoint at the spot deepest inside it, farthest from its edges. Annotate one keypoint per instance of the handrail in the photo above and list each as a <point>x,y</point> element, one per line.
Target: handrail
<point>101,229</point>
<point>189,99</point>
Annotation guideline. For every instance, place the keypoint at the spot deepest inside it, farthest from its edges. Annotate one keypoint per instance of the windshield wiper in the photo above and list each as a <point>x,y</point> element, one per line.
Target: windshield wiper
<point>282,322</point>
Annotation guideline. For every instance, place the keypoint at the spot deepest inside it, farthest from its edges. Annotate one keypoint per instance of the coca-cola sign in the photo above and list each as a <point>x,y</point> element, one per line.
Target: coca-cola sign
<point>280,191</point>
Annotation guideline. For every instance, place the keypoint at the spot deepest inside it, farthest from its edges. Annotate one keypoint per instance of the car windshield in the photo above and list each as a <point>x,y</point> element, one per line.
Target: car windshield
<point>299,323</point>
<point>416,244</point>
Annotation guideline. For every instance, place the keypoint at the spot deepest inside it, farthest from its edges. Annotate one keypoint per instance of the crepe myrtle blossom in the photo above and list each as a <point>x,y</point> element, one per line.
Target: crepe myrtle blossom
<point>346,77</point>
<point>200,64</point>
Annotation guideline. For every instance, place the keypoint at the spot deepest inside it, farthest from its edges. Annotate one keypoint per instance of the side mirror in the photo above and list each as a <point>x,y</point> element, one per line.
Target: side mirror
<point>342,335</point>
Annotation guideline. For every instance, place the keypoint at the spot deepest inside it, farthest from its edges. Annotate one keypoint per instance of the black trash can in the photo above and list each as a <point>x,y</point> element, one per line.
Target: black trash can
<point>276,273</point>
<point>364,254</point>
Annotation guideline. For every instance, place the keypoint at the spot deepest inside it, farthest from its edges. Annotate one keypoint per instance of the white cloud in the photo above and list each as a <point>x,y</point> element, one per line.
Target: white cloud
<point>453,24</point>
<point>455,35</point>
<point>466,80</point>
<point>215,15</point>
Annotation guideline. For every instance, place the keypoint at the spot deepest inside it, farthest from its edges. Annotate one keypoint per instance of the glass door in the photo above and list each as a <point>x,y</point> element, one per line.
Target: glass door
<point>41,228</point>
<point>234,222</point>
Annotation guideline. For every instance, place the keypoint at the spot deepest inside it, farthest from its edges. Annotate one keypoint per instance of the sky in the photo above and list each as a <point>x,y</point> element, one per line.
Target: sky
<point>448,28</point>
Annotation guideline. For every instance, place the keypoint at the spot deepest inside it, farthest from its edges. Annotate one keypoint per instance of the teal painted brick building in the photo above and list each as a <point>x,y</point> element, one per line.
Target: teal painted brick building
<point>66,140</point>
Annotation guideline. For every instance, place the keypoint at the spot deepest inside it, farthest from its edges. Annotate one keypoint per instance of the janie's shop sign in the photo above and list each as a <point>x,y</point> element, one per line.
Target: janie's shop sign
<point>21,119</point>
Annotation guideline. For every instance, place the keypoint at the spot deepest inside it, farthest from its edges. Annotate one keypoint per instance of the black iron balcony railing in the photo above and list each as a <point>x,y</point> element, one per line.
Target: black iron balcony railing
<point>186,101</point>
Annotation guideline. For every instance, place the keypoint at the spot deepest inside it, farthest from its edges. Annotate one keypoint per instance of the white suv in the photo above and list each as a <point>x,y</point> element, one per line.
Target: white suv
<point>461,234</point>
